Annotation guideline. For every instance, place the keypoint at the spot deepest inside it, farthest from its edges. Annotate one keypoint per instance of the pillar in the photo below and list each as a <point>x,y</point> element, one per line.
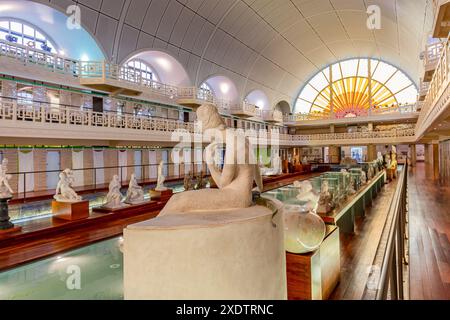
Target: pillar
<point>13,166</point>
<point>427,153</point>
<point>130,162</point>
<point>371,152</point>
<point>332,129</point>
<point>110,159</point>
<point>88,162</point>
<point>65,159</point>
<point>334,154</point>
<point>436,160</point>
<point>413,152</point>
<point>40,164</point>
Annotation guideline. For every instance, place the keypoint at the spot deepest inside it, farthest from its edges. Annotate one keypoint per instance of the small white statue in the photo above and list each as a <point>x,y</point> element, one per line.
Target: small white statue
<point>307,195</point>
<point>160,181</point>
<point>363,177</point>
<point>64,191</point>
<point>114,196</point>
<point>326,199</point>
<point>394,149</point>
<point>305,160</point>
<point>276,168</point>
<point>135,193</point>
<point>5,189</point>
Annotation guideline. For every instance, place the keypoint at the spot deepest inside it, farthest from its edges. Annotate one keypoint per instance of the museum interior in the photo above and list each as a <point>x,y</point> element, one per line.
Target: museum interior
<point>224,150</point>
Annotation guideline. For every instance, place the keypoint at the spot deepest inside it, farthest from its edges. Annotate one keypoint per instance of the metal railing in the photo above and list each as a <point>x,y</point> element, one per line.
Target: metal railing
<point>390,110</point>
<point>438,95</point>
<point>432,54</point>
<point>144,172</point>
<point>390,285</point>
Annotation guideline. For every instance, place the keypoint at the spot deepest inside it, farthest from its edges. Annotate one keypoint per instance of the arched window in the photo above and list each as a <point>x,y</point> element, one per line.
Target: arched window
<point>25,34</point>
<point>205,92</point>
<point>142,69</point>
<point>352,87</point>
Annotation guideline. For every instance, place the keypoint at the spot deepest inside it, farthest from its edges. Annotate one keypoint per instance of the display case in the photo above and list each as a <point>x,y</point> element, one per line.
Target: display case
<point>355,180</point>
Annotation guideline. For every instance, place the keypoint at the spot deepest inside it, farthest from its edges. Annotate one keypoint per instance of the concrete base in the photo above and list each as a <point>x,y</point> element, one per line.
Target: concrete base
<point>226,254</point>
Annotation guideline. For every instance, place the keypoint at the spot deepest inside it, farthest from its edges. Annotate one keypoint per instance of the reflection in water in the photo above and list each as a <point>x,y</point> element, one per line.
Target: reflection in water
<point>99,267</point>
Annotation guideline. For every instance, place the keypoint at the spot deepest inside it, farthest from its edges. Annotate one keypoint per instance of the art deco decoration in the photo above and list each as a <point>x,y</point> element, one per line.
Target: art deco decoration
<point>64,191</point>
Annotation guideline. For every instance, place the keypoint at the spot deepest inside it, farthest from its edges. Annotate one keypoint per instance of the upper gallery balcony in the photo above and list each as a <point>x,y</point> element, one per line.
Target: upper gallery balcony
<point>245,109</point>
<point>272,116</point>
<point>442,19</point>
<point>431,58</point>
<point>436,106</point>
<point>393,113</point>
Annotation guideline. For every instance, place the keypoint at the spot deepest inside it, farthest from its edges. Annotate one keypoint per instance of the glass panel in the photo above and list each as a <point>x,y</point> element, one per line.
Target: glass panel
<point>349,68</point>
<point>302,106</point>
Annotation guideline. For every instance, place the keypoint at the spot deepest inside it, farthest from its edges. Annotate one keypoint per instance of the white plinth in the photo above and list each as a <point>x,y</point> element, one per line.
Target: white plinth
<point>231,254</point>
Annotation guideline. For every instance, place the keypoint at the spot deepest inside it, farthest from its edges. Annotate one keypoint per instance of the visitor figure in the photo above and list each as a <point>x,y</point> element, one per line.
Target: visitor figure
<point>64,191</point>
<point>234,180</point>
<point>161,178</point>
<point>5,189</point>
<point>114,196</point>
<point>135,193</point>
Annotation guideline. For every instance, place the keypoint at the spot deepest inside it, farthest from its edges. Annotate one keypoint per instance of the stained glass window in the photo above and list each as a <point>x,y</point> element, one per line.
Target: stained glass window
<point>351,87</point>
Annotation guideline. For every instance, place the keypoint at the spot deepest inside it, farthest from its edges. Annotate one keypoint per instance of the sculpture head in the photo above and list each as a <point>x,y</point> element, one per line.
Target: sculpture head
<point>115,177</point>
<point>209,117</point>
<point>132,177</point>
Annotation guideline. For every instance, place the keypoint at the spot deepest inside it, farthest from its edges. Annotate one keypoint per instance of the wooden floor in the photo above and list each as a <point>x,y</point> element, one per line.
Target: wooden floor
<point>429,235</point>
<point>27,248</point>
<point>358,250</point>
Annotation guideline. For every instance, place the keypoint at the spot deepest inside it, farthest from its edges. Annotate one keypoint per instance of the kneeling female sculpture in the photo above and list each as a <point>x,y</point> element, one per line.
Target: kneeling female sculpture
<point>234,181</point>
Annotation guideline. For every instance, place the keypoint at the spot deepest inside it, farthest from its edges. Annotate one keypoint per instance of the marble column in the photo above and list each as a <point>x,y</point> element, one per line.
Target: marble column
<point>436,160</point>
<point>413,152</point>
<point>427,153</point>
<point>371,152</point>
<point>334,154</point>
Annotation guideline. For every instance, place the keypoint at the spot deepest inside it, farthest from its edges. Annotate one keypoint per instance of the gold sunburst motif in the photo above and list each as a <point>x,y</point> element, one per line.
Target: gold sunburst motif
<point>357,86</point>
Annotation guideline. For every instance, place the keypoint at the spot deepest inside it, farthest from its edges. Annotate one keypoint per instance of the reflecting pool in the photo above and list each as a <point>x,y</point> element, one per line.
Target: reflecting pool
<point>92,272</point>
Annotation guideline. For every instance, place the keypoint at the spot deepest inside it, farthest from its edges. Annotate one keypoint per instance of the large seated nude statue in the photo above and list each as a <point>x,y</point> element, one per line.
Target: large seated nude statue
<point>234,180</point>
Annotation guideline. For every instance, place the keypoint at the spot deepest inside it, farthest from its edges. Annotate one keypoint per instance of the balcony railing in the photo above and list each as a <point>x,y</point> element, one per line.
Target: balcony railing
<point>432,54</point>
<point>56,114</point>
<point>437,97</point>
<point>272,115</point>
<point>246,109</point>
<point>397,109</point>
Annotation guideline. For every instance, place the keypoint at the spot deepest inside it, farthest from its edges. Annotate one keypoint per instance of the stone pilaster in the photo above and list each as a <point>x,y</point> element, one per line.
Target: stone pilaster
<point>88,162</point>
<point>40,164</point>
<point>65,159</point>
<point>13,166</point>
<point>111,159</point>
<point>130,161</point>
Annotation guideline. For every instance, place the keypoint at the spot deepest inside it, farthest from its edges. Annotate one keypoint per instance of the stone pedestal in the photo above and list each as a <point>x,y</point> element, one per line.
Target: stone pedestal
<point>160,195</point>
<point>227,254</point>
<point>70,210</point>
<point>6,226</point>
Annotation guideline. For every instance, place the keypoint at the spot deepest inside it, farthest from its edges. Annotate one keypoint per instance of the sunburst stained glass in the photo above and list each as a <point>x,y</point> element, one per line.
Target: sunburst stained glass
<point>352,87</point>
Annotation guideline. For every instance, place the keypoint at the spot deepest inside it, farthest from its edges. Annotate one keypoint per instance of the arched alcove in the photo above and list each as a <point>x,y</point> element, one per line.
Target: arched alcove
<point>259,99</point>
<point>222,88</point>
<point>168,69</point>
<point>76,43</point>
<point>284,107</point>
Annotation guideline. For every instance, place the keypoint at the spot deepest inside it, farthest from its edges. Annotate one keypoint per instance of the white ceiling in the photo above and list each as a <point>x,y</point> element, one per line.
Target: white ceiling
<point>273,45</point>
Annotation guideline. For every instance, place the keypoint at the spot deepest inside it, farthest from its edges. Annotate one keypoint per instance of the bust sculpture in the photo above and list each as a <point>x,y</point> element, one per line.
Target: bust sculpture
<point>64,191</point>
<point>5,189</point>
<point>135,193</point>
<point>234,180</point>
<point>161,178</point>
<point>114,196</point>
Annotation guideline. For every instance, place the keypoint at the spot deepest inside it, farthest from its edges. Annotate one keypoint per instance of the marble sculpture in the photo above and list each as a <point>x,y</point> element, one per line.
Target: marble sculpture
<point>64,191</point>
<point>161,178</point>
<point>114,196</point>
<point>5,189</point>
<point>135,193</point>
<point>234,181</point>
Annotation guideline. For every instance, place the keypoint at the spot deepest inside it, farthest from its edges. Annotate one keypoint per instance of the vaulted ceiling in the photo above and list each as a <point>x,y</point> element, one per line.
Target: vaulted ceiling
<point>273,45</point>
